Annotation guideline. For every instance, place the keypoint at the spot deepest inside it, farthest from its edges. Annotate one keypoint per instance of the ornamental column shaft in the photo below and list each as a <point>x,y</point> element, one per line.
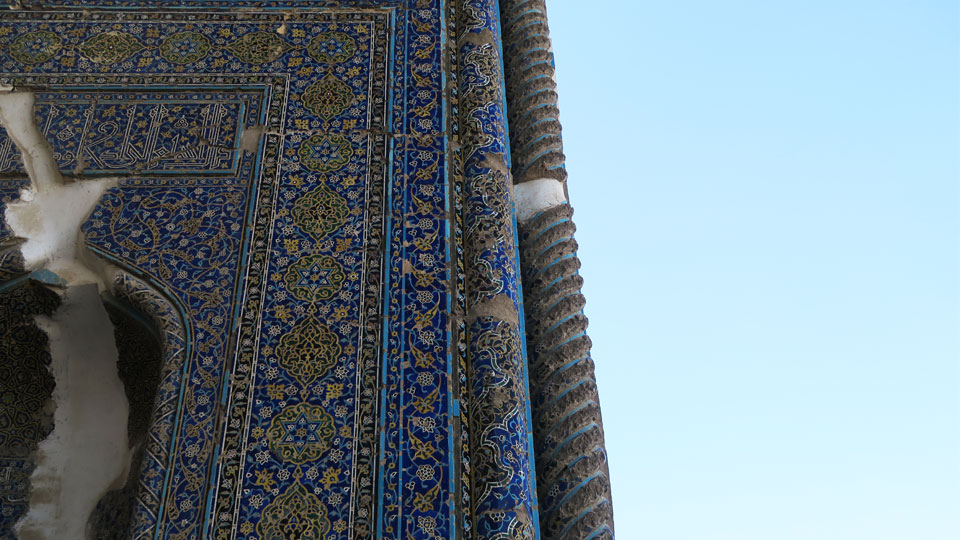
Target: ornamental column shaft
<point>572,477</point>
<point>503,487</point>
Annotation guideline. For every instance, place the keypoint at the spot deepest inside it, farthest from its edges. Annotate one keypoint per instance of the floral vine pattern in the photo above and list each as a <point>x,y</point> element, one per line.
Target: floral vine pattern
<point>503,498</point>
<point>326,386</point>
<point>271,254</point>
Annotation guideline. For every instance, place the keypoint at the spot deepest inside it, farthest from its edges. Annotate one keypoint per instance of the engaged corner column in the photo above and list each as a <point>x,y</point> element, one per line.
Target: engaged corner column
<point>503,485</point>
<point>571,460</point>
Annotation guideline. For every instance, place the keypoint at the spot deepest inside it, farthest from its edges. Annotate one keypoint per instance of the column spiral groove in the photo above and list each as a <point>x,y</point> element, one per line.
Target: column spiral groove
<point>535,132</point>
<point>573,482</point>
<point>572,478</point>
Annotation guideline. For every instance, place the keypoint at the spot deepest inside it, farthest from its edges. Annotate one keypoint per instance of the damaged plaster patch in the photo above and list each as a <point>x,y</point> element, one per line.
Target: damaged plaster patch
<point>535,196</point>
<point>50,212</point>
<point>500,307</point>
<point>250,140</point>
<point>86,454</point>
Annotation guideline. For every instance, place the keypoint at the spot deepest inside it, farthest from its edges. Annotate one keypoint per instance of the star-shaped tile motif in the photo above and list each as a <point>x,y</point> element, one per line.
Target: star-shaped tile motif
<point>185,47</point>
<point>332,47</point>
<point>325,153</point>
<point>301,431</point>
<point>316,277</point>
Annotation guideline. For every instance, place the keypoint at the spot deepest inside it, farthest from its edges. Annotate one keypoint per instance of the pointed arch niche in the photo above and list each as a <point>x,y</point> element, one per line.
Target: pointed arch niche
<point>151,338</point>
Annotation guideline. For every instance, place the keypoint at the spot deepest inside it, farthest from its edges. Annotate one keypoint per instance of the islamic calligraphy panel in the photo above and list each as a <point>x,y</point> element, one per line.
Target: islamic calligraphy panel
<point>97,132</point>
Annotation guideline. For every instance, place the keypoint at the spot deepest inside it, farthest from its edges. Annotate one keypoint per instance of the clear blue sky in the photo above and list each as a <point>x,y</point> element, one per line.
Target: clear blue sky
<point>767,196</point>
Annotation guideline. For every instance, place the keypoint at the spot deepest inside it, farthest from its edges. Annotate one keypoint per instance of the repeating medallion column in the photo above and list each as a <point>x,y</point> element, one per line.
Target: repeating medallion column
<point>503,488</point>
<point>572,476</point>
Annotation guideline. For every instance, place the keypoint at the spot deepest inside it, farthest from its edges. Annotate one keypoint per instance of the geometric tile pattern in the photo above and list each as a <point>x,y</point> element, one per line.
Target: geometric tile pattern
<point>318,193</point>
<point>25,389</point>
<point>352,108</point>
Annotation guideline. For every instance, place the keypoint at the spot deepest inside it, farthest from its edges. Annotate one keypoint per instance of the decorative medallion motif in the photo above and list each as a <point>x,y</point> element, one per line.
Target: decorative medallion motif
<point>213,232</point>
<point>301,433</point>
<point>320,212</point>
<point>325,153</point>
<point>332,47</point>
<point>295,515</point>
<point>185,47</point>
<point>308,351</point>
<point>328,98</point>
<point>111,47</point>
<point>313,278</point>
<point>259,47</point>
<point>35,47</point>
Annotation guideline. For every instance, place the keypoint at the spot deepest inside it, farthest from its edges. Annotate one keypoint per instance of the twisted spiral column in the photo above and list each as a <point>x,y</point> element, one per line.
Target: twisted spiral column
<point>537,148</point>
<point>572,476</point>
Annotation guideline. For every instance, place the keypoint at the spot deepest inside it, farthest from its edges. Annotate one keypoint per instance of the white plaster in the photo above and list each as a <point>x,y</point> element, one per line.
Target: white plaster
<point>535,196</point>
<point>49,213</point>
<point>87,454</point>
<point>250,139</point>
